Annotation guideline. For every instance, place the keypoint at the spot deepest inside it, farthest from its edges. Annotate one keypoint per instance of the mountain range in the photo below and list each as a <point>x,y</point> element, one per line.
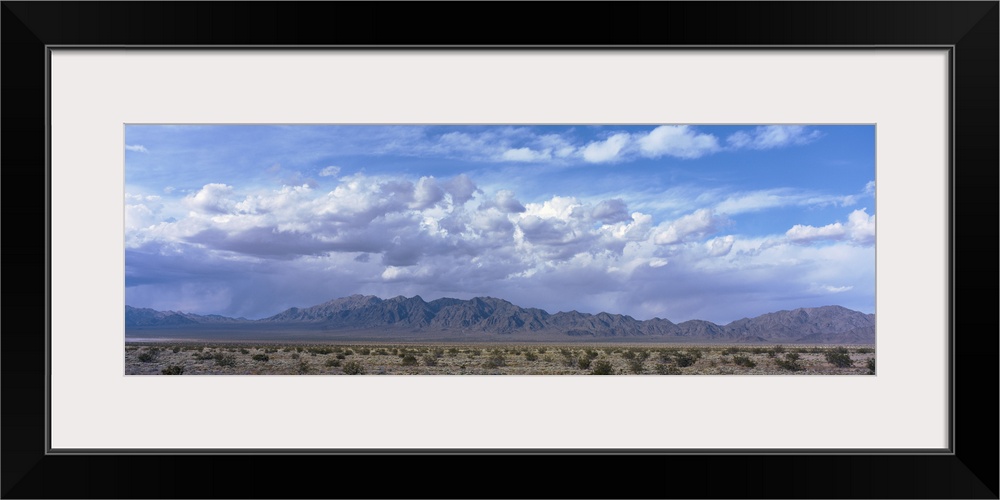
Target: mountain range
<point>488,318</point>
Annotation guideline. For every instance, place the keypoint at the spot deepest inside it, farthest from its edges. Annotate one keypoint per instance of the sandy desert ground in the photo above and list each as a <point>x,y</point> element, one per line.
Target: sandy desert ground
<point>175,358</point>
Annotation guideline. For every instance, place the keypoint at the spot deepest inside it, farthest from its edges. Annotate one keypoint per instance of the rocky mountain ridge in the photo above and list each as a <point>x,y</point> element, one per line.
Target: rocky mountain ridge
<point>490,317</point>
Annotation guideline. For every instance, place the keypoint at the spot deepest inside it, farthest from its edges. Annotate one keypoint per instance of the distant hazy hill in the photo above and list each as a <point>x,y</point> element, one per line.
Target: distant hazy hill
<point>488,316</point>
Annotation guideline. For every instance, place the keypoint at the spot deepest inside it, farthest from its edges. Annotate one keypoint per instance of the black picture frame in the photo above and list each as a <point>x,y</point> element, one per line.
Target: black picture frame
<point>969,470</point>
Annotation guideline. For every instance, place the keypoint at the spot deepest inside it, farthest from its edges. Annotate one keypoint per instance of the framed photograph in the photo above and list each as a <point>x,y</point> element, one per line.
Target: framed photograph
<point>204,184</point>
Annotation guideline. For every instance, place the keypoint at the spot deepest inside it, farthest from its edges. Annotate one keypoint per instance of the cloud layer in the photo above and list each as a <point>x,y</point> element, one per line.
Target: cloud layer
<point>449,237</point>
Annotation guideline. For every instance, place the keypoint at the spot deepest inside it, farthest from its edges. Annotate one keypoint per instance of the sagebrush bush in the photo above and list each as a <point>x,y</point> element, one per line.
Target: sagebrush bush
<point>295,355</point>
<point>304,367</point>
<point>530,356</point>
<point>354,368</point>
<point>429,360</point>
<point>790,363</point>
<point>332,362</point>
<point>364,351</point>
<point>147,356</point>
<point>684,359</point>
<point>173,370</point>
<point>602,367</point>
<point>244,351</point>
<point>744,361</point>
<point>584,362</point>
<point>871,366</point>
<point>839,358</point>
<point>635,366</point>
<point>224,360</point>
<point>260,357</point>
<point>664,369</point>
<point>408,360</point>
<point>495,360</point>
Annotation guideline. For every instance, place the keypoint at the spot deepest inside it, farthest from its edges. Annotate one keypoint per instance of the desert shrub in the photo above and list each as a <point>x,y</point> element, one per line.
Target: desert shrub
<point>542,350</point>
<point>224,360</point>
<point>430,360</point>
<point>870,364</point>
<point>475,352</point>
<point>298,349</point>
<point>381,352</point>
<point>790,363</point>
<point>548,358</point>
<point>744,361</point>
<point>757,350</point>
<point>683,359</point>
<point>642,355</point>
<point>695,353</point>
<point>295,355</point>
<point>332,362</point>
<point>176,349</point>
<point>663,369</point>
<point>270,350</point>
<point>635,366</point>
<point>354,368</point>
<point>348,352</point>
<point>260,357</point>
<point>584,362</point>
<point>364,351</point>
<point>628,354</point>
<point>864,350</point>
<point>730,350</point>
<point>304,367</point>
<point>839,358</point>
<point>173,370</point>
<point>568,358</point>
<point>244,351</point>
<point>147,356</point>
<point>530,356</point>
<point>664,356</point>
<point>340,356</point>
<point>453,352</point>
<point>770,353</point>
<point>438,353</point>
<point>409,360</point>
<point>592,354</point>
<point>495,360</point>
<point>602,367</point>
<point>778,349</point>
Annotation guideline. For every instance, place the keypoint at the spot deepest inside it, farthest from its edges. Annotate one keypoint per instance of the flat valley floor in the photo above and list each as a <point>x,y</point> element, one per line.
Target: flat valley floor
<point>198,358</point>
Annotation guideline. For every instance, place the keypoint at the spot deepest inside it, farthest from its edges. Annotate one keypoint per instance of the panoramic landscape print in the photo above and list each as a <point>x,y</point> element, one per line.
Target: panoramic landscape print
<point>499,250</point>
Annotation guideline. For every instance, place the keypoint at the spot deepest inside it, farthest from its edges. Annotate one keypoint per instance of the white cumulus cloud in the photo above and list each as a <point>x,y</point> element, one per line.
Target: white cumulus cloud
<point>696,224</point>
<point>526,155</point>
<point>330,171</point>
<point>679,141</point>
<point>606,150</point>
<point>860,229</point>
<point>772,136</point>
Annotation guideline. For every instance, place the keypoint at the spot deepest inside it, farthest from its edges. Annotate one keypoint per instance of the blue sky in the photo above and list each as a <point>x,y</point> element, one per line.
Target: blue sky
<point>672,221</point>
